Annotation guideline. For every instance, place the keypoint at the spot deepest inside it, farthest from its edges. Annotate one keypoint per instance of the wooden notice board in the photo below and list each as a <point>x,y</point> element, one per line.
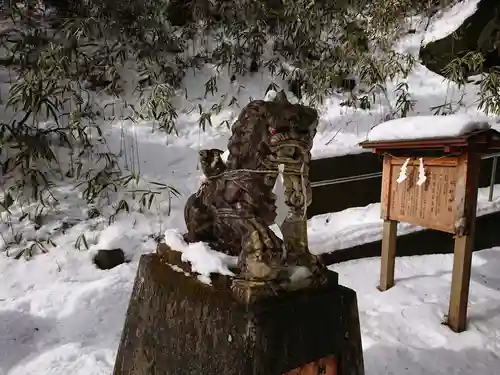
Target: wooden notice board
<point>435,204</point>
<point>324,366</point>
<point>445,201</point>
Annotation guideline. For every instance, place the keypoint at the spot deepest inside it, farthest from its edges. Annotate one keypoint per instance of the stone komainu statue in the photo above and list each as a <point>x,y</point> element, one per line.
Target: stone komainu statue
<point>235,206</point>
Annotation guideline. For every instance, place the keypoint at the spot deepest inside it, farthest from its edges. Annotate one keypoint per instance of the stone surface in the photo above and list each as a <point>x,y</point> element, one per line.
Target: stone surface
<point>107,259</point>
<point>176,325</point>
<point>480,32</point>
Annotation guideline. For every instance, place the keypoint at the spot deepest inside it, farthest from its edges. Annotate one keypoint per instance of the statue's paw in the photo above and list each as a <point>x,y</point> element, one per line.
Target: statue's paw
<point>308,260</point>
<point>258,269</point>
<point>300,259</point>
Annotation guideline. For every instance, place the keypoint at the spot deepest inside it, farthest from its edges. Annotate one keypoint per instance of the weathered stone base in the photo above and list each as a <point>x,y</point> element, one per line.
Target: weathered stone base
<point>176,325</point>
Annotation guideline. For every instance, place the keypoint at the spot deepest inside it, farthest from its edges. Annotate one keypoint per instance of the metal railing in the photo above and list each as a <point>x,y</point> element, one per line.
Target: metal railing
<point>367,176</point>
<point>343,180</point>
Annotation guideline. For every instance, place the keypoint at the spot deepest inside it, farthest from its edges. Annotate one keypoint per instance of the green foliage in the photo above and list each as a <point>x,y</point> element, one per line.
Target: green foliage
<point>459,70</point>
<point>489,99</point>
<point>63,62</point>
<point>404,102</point>
<point>58,69</point>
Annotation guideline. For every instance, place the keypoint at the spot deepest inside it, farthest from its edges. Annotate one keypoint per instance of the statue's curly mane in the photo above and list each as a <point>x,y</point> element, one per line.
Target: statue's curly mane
<point>248,144</point>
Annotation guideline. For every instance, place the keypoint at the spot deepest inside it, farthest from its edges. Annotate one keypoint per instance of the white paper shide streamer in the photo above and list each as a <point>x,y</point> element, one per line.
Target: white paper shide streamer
<point>279,191</point>
<point>421,173</point>
<point>403,171</point>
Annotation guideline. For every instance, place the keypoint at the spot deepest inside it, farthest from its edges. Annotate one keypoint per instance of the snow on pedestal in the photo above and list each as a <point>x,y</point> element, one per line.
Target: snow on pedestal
<point>421,127</point>
<point>200,259</point>
<point>203,260</point>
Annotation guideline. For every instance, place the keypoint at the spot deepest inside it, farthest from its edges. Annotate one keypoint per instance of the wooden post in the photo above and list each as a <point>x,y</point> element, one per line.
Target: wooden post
<point>464,242</point>
<point>388,256</point>
<point>493,177</point>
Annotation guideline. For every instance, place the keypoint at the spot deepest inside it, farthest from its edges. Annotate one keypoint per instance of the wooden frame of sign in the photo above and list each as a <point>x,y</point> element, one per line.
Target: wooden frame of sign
<point>324,366</point>
<point>445,200</point>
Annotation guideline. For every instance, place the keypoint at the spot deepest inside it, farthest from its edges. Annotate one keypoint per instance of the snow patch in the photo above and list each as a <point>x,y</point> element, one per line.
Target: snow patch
<point>452,20</point>
<point>224,156</point>
<point>299,273</point>
<point>126,233</point>
<point>421,127</point>
<point>270,96</point>
<point>202,258</point>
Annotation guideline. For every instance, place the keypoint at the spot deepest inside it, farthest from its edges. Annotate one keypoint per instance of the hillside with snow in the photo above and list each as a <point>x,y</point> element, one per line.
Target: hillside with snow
<point>61,315</point>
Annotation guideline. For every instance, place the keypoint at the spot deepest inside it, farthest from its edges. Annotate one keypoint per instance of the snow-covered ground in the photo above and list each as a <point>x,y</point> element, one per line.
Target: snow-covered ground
<point>401,328</point>
<point>60,315</point>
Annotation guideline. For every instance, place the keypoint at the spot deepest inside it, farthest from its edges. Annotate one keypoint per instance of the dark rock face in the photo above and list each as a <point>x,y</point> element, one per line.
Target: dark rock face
<point>107,259</point>
<point>479,33</point>
<point>176,325</point>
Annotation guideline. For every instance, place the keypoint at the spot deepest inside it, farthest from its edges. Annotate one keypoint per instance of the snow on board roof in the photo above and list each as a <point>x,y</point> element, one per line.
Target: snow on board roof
<point>424,127</point>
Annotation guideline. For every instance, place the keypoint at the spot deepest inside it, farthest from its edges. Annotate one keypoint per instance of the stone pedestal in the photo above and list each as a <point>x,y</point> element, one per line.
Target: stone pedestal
<point>177,325</point>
